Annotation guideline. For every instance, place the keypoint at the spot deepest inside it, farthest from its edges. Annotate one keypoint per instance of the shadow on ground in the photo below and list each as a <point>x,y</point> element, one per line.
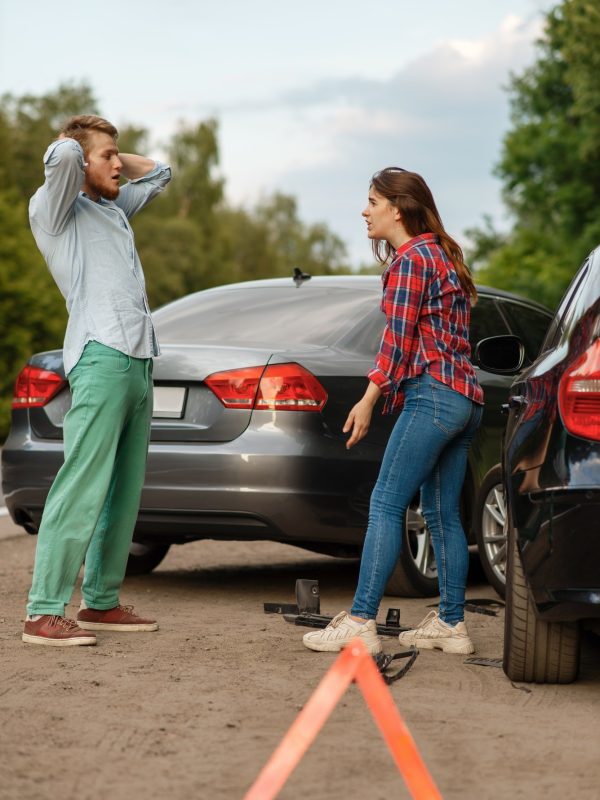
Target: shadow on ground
<point>276,576</point>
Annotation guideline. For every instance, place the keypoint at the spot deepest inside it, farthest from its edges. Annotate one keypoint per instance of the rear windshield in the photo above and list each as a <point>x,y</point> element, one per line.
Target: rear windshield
<point>265,315</point>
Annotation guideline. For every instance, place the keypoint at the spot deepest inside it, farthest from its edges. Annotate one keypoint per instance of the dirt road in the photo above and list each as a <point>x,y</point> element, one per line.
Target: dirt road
<point>194,711</point>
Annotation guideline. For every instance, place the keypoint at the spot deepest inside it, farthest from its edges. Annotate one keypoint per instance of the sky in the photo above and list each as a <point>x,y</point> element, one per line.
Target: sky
<point>311,98</point>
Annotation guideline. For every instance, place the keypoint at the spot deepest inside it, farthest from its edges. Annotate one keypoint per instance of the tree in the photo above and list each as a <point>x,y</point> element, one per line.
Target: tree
<point>29,125</point>
<point>550,164</point>
<point>313,248</point>
<point>189,238</point>
<point>32,310</point>
<point>178,236</point>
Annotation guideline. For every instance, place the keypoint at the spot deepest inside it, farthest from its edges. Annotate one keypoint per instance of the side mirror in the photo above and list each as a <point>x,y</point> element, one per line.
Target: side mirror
<point>502,355</point>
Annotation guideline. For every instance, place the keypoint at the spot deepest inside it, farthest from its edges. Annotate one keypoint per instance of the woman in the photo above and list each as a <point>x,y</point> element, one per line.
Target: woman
<point>423,368</point>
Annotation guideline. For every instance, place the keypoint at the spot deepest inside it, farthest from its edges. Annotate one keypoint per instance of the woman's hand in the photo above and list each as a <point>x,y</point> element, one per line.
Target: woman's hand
<point>358,422</point>
<point>359,419</point>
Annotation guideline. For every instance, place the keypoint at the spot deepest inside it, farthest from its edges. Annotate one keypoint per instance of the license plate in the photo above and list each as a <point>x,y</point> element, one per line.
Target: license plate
<point>169,402</point>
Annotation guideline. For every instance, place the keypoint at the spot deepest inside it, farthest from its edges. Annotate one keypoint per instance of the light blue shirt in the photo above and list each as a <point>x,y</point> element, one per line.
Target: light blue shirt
<point>90,250</point>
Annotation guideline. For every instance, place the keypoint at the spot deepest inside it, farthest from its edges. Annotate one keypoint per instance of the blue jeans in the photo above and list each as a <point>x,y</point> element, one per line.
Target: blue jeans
<point>427,450</point>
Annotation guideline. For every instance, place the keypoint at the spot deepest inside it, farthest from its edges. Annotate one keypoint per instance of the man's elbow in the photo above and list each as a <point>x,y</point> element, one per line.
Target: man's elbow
<point>167,174</point>
<point>64,153</point>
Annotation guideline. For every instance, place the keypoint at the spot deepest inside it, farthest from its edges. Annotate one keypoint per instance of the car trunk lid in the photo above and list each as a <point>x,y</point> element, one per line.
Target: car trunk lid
<point>185,407</point>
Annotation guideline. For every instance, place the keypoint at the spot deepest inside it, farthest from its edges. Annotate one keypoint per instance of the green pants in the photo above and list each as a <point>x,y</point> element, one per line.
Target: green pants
<point>92,506</point>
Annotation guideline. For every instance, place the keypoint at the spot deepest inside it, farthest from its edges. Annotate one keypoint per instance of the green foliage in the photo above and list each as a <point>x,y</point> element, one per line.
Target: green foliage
<point>28,126</point>
<point>181,256</point>
<point>194,157</point>
<point>313,248</point>
<point>188,239</point>
<point>32,311</point>
<point>550,164</point>
<point>132,139</point>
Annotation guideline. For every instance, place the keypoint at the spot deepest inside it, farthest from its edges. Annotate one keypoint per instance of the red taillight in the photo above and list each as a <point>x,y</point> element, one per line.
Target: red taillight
<point>579,395</point>
<point>290,387</point>
<point>35,387</point>
<point>278,387</point>
<point>236,388</point>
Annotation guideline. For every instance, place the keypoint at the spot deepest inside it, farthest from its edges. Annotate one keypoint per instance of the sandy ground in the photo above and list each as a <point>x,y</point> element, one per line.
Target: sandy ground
<point>195,710</point>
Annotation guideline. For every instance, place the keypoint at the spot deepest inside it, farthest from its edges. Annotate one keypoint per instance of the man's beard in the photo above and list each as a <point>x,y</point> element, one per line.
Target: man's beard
<point>109,191</point>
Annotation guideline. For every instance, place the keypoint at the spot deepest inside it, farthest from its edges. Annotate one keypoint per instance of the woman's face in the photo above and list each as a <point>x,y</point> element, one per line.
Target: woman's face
<point>381,217</point>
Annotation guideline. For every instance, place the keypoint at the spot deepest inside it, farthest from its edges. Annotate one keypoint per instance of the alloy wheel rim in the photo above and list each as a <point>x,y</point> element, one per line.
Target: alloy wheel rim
<point>494,529</point>
<point>419,543</point>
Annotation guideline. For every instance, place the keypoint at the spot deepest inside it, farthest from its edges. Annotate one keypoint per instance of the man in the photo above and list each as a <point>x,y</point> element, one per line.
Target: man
<point>79,219</point>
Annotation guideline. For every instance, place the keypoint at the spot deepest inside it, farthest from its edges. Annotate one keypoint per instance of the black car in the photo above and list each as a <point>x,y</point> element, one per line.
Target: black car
<point>552,484</point>
<point>251,393</point>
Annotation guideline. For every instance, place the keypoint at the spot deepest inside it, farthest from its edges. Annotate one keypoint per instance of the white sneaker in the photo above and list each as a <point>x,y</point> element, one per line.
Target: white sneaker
<point>340,631</point>
<point>433,633</point>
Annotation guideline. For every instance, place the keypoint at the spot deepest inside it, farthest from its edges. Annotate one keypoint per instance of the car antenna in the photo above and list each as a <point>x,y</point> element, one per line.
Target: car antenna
<point>300,277</point>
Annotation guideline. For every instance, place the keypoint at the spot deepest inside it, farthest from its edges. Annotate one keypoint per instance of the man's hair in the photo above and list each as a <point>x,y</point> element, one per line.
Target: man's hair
<point>80,128</point>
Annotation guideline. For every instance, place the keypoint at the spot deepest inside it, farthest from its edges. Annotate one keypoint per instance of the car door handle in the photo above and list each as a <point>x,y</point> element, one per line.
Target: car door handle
<point>517,401</point>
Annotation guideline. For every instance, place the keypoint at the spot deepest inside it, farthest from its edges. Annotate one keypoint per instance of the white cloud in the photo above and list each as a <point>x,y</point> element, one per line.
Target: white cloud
<point>443,114</point>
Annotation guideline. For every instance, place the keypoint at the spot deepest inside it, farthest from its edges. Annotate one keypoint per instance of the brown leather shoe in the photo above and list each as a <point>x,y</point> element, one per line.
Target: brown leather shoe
<point>119,618</point>
<point>56,632</point>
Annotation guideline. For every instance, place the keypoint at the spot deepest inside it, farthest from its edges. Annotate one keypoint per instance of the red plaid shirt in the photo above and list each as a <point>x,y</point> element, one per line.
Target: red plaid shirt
<point>427,327</point>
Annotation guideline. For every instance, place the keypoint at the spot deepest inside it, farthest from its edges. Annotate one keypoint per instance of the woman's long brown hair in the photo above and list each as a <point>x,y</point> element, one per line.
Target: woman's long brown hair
<point>409,193</point>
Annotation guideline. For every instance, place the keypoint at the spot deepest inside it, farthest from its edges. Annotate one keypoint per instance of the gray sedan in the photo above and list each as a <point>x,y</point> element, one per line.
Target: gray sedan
<point>252,389</point>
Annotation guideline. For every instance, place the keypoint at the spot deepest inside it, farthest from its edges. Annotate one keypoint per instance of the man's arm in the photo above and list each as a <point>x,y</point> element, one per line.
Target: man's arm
<point>135,167</point>
<point>52,205</point>
<point>147,178</point>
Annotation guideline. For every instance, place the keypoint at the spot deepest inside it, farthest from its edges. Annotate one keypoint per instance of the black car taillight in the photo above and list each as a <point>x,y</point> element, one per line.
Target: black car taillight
<point>579,395</point>
<point>278,387</point>
<point>36,387</point>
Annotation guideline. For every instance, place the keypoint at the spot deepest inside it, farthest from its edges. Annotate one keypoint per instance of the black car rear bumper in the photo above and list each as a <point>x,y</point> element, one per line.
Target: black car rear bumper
<point>559,540</point>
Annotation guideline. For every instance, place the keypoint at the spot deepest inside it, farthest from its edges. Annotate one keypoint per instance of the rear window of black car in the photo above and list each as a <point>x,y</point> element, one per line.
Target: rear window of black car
<point>586,294</point>
<point>567,312</point>
<point>265,315</point>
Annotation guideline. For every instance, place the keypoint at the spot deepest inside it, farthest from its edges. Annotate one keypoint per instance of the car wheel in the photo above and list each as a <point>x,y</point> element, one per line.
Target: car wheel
<point>144,556</point>
<point>490,529</point>
<point>534,650</point>
<point>415,574</point>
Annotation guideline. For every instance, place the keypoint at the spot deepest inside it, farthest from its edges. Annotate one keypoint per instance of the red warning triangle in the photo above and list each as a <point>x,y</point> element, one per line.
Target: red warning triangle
<point>353,664</point>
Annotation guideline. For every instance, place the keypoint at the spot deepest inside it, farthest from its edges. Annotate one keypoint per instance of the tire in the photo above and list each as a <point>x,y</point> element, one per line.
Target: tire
<point>143,557</point>
<point>490,529</point>
<point>415,574</point>
<point>534,650</point>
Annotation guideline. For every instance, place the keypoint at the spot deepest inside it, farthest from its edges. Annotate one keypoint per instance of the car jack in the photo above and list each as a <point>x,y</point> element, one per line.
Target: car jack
<point>306,611</point>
